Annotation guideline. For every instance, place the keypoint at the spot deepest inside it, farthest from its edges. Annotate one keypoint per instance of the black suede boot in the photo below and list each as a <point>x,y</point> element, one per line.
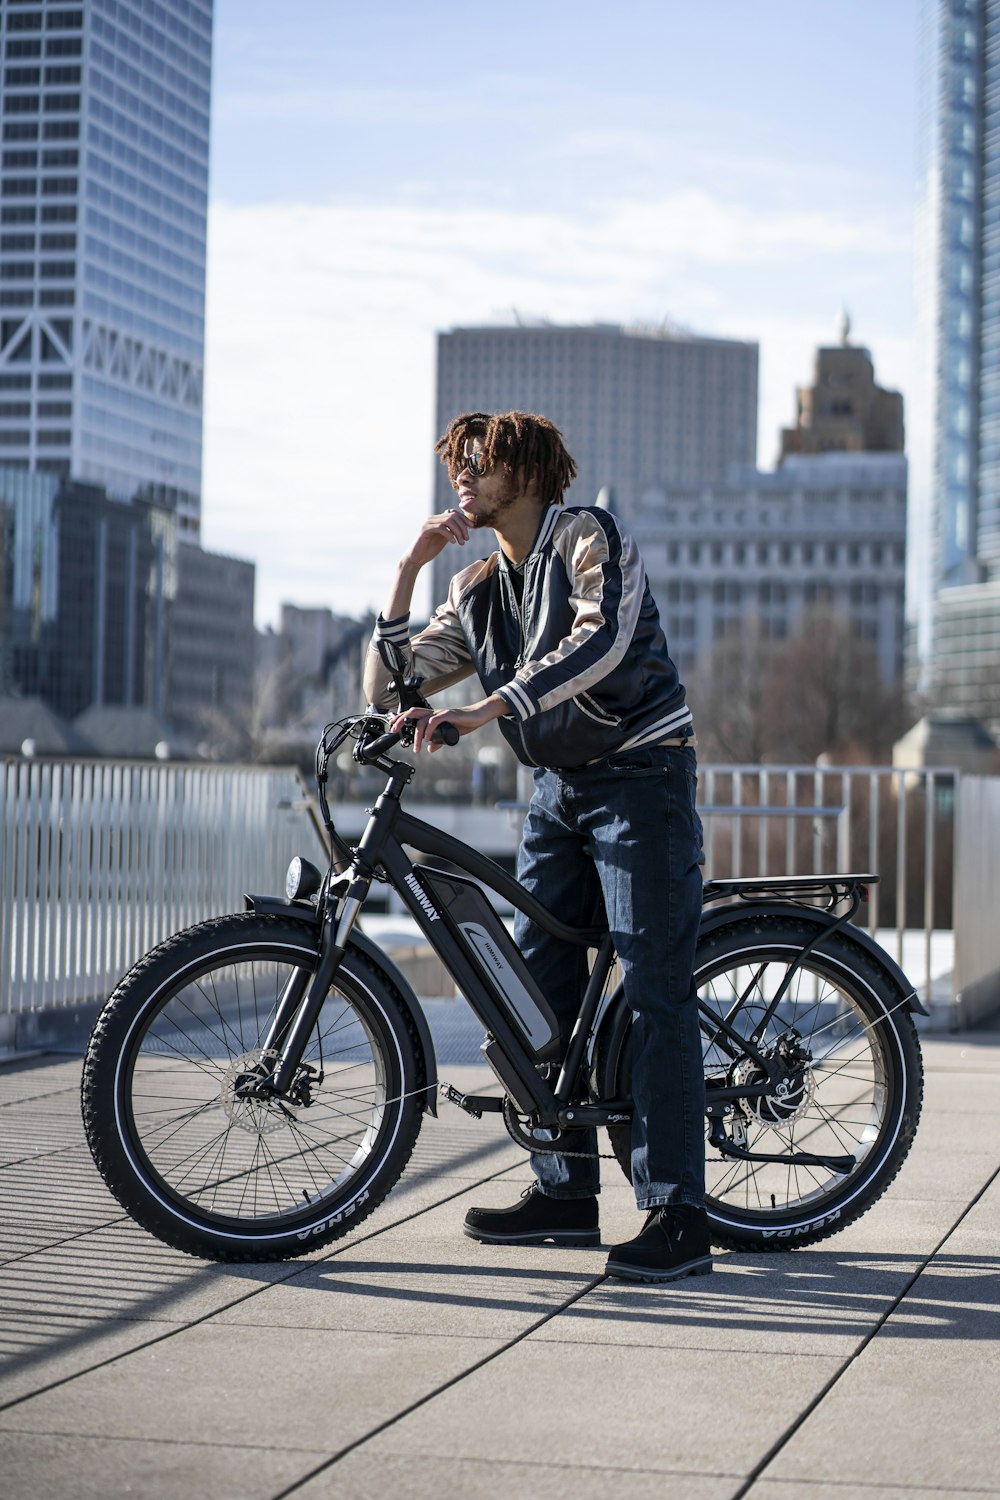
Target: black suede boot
<point>673,1243</point>
<point>564,1221</point>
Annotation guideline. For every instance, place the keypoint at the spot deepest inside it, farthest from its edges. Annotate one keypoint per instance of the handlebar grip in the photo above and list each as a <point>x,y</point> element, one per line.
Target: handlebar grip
<point>446,734</point>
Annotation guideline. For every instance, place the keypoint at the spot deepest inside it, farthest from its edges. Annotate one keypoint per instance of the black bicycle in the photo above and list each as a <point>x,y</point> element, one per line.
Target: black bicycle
<point>255,1085</point>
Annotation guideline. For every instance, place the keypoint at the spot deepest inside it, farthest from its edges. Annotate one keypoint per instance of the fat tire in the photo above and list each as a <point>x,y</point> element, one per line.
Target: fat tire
<point>176,973</point>
<point>874,995</point>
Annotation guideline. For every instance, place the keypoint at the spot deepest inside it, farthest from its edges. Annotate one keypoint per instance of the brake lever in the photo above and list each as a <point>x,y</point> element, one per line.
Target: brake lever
<point>409,695</point>
<point>445,734</point>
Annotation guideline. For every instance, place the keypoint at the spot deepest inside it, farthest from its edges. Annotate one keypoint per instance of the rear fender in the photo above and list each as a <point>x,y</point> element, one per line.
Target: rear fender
<point>304,911</point>
<point>739,911</point>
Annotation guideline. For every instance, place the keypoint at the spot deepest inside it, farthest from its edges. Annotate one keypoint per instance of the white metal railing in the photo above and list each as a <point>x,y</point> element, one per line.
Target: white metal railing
<point>977,899</point>
<point>815,820</point>
<point>100,860</point>
<point>899,824</point>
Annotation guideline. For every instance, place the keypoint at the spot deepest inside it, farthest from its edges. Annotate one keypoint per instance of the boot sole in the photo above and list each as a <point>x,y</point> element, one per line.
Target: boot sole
<point>581,1238</point>
<point>626,1272</point>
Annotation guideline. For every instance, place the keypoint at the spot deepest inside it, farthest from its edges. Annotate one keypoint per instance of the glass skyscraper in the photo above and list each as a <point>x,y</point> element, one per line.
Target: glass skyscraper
<point>955,426</point>
<point>103,204</point>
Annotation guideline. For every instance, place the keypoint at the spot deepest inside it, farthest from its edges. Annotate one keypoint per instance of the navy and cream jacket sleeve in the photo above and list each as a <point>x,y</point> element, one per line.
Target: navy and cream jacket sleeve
<point>580,658</point>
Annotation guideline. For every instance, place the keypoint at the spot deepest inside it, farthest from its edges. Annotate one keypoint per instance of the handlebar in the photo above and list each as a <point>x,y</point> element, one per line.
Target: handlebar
<point>370,751</point>
<point>367,751</point>
<point>445,734</point>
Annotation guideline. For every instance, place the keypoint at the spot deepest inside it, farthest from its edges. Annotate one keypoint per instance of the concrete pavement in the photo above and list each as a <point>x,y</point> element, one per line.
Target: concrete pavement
<point>409,1360</point>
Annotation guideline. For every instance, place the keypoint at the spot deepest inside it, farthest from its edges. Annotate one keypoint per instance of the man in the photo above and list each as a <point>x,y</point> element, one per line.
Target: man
<point>560,627</point>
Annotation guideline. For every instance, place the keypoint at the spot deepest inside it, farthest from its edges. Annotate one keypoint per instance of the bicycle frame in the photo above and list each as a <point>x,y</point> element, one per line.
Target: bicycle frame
<point>381,854</point>
<point>381,851</point>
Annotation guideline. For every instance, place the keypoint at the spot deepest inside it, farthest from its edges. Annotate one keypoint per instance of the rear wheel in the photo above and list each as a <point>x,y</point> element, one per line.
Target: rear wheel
<point>841,1119</point>
<point>194,1157</point>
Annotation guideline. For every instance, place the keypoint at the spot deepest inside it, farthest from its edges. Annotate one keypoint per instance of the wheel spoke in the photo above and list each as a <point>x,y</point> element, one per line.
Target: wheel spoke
<point>836,1102</point>
<point>213,1149</point>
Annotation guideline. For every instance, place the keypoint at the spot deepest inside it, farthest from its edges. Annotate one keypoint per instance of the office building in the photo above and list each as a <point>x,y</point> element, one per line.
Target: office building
<point>822,532</point>
<point>955,420</point>
<point>105,132</point>
<point>637,407</point>
<point>29,578</point>
<point>844,410</point>
<point>85,605</point>
<point>967,651</point>
<point>211,669</point>
<point>309,670</point>
<point>101,606</point>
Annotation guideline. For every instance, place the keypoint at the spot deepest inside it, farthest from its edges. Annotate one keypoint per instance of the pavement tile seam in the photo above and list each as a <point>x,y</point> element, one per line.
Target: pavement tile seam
<point>854,1487</point>
<point>760,1469</point>
<point>438,1390</point>
<point>70,1092</point>
<point>720,1350</point>
<point>187,1441</point>
<point>34,1156</point>
<point>125,1219</point>
<point>531,1465</point>
<point>297,1268</point>
<point>68,1239</point>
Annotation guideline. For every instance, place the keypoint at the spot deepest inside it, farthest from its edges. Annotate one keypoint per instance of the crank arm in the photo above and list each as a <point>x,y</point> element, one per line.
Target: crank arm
<point>585,1116</point>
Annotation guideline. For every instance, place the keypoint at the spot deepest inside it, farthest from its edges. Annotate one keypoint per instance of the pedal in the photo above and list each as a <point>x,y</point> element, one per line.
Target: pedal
<point>474,1104</point>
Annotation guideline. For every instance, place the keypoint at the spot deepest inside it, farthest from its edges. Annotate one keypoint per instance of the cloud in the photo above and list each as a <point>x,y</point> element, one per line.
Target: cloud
<point>321,336</point>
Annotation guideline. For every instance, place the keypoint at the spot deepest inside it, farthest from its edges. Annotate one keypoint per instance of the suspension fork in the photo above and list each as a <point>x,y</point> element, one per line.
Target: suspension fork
<point>295,1017</point>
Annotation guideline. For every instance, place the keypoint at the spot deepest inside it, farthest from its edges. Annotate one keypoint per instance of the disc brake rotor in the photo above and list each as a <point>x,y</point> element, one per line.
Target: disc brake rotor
<point>792,1096</point>
<point>255,1115</point>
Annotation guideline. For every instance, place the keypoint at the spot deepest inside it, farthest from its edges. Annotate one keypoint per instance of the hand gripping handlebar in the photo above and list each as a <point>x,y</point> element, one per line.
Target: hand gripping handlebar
<point>445,734</point>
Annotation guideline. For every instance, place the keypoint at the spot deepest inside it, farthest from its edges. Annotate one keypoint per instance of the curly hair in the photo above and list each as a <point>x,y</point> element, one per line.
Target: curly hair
<point>527,447</point>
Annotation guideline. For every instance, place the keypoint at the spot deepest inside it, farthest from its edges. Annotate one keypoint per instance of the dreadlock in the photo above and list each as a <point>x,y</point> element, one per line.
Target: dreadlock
<point>527,447</point>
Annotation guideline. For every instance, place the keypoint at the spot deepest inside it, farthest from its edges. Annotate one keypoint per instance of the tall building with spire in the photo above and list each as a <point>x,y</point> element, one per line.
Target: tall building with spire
<point>954,564</point>
<point>844,410</point>
<point>103,206</point>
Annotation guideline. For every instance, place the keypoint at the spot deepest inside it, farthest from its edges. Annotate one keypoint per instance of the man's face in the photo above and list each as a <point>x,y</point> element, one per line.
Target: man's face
<point>483,494</point>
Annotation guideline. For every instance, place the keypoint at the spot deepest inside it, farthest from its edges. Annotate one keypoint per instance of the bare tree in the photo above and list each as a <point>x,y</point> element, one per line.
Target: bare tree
<point>819,692</point>
<point>728,695</point>
<point>826,695</point>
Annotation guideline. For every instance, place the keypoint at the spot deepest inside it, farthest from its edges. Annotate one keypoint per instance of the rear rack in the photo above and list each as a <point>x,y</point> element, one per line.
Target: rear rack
<point>831,888</point>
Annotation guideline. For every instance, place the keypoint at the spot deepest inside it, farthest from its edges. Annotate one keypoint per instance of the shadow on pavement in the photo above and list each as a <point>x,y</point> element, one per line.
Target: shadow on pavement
<point>810,1292</point>
<point>817,1293</point>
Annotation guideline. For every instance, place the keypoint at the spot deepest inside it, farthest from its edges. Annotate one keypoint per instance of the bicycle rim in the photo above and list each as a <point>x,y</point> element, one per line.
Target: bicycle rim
<point>844,1103</point>
<point>237,1164</point>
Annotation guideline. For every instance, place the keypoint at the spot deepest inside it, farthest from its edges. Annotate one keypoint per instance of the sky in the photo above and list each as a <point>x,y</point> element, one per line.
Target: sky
<point>382,173</point>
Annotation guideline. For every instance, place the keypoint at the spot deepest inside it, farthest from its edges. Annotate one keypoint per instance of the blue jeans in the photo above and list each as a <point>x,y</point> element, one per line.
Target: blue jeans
<point>625,833</point>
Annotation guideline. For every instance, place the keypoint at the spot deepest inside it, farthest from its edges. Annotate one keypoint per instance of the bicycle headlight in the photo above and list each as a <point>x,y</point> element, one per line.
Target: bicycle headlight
<point>302,880</point>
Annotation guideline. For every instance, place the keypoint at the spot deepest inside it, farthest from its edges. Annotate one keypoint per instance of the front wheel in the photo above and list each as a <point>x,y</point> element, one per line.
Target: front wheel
<point>843,1118</point>
<point>189,1153</point>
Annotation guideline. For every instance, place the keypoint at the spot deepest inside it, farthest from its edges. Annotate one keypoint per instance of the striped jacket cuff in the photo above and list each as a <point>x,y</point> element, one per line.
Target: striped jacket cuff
<point>518,699</point>
<point>397,630</point>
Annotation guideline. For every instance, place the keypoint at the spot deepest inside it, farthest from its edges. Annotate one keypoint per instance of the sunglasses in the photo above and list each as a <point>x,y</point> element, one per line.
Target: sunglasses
<point>475,463</point>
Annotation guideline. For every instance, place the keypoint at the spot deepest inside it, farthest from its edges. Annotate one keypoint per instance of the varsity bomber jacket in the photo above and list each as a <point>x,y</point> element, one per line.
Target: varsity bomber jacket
<point>576,651</point>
